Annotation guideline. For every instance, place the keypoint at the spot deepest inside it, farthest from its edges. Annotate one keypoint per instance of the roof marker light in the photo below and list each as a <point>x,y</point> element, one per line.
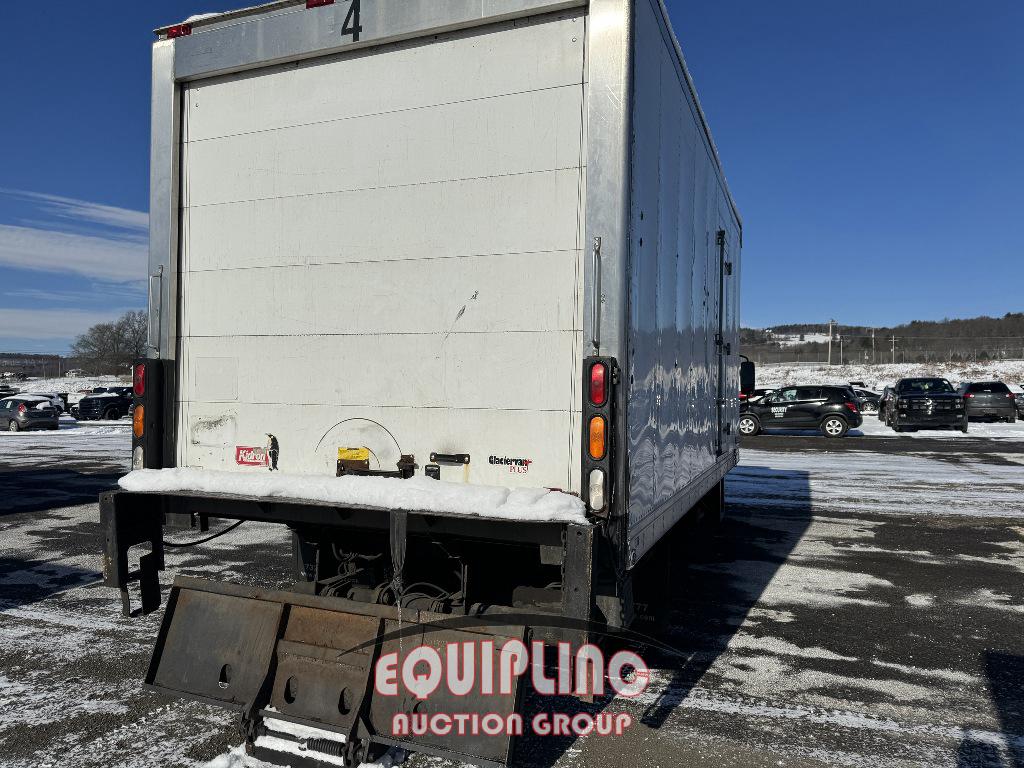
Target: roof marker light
<point>179,30</point>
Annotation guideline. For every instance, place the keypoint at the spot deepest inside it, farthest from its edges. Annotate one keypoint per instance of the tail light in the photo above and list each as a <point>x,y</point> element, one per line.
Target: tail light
<point>318,3</point>
<point>968,396</point>
<point>147,420</point>
<point>743,396</point>
<point>139,380</point>
<point>600,376</point>
<point>595,490</point>
<point>851,407</point>
<point>598,384</point>
<point>598,437</point>
<point>22,408</point>
<point>179,30</point>
<point>1011,395</point>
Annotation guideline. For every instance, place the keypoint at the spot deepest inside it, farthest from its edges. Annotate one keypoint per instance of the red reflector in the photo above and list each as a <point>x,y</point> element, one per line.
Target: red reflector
<point>179,30</point>
<point>139,380</point>
<point>318,3</point>
<point>598,383</point>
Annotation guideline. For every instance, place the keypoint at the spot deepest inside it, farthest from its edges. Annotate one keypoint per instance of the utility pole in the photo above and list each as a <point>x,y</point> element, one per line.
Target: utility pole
<point>894,349</point>
<point>830,324</point>
<point>840,349</point>
<point>872,346</point>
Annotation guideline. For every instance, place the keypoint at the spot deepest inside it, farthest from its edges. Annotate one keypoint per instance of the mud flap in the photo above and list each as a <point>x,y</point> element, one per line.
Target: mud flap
<point>289,662</point>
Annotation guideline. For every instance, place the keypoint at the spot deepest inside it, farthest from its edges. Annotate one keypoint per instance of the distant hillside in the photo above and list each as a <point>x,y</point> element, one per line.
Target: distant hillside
<point>973,339</point>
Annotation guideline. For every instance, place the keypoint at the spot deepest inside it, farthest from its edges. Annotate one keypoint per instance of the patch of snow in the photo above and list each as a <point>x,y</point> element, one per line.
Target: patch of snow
<point>418,494</point>
<point>988,598</point>
<point>921,601</point>
<point>201,17</point>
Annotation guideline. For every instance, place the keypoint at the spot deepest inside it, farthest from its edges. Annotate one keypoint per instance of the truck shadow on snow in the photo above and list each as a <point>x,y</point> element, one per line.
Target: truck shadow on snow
<point>40,490</point>
<point>24,581</point>
<point>1005,675</point>
<point>718,578</point>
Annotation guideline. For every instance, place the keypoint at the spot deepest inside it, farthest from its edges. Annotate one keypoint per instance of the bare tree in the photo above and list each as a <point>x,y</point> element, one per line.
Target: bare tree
<point>112,347</point>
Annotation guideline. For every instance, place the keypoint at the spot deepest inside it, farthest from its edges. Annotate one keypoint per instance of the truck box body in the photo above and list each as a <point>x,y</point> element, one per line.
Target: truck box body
<point>412,231</point>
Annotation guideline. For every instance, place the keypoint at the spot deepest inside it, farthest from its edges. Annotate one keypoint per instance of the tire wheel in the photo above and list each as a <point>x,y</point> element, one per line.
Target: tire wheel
<point>896,427</point>
<point>965,426</point>
<point>12,426</point>
<point>111,414</point>
<point>834,426</point>
<point>749,426</point>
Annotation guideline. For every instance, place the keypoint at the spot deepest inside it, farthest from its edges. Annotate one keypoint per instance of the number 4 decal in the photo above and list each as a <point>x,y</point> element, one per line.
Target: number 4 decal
<point>352,25</point>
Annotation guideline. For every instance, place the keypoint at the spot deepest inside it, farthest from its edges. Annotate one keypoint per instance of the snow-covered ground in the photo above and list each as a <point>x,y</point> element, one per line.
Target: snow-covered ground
<point>862,605</point>
<point>62,385</point>
<point>878,376</point>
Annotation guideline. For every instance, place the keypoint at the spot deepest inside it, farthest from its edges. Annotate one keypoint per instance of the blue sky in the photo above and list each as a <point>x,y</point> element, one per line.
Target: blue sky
<point>873,147</point>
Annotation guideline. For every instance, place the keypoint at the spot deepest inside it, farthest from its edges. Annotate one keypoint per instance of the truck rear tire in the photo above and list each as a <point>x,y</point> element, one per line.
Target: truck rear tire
<point>111,414</point>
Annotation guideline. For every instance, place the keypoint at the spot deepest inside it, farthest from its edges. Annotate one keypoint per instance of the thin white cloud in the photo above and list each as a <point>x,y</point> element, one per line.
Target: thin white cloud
<point>95,256</point>
<point>40,324</point>
<point>83,211</point>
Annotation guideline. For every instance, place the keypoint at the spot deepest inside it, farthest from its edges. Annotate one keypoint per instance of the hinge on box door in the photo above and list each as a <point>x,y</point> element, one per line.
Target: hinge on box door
<point>719,340</point>
<point>728,349</point>
<point>720,239</point>
<point>728,268</point>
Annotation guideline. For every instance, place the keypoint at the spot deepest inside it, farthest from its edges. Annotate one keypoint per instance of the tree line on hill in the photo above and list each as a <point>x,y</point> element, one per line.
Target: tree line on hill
<point>921,341</point>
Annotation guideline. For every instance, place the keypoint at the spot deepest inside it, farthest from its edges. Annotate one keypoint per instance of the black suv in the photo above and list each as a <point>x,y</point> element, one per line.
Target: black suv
<point>110,405</point>
<point>990,400</point>
<point>833,410</point>
<point>914,403</point>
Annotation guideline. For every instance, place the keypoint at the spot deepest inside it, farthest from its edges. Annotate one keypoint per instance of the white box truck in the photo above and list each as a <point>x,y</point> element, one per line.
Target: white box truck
<point>450,289</point>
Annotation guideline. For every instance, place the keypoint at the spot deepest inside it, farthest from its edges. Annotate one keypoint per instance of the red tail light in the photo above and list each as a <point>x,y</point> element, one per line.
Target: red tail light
<point>1011,395</point>
<point>743,396</point>
<point>22,408</point>
<point>318,3</point>
<point>139,380</point>
<point>179,30</point>
<point>598,383</point>
<point>968,396</point>
<point>852,407</point>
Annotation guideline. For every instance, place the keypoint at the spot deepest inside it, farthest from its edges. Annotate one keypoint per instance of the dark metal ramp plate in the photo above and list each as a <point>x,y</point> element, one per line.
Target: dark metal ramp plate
<point>311,661</point>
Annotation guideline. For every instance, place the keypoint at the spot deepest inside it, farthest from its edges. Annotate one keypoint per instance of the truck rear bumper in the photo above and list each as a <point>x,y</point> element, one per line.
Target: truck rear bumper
<point>305,657</point>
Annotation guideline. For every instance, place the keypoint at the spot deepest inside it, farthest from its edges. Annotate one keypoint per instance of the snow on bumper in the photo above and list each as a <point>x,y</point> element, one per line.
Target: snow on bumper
<point>418,494</point>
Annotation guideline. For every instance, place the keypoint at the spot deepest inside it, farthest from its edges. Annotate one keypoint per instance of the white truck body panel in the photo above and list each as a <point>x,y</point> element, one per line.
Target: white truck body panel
<point>383,249</point>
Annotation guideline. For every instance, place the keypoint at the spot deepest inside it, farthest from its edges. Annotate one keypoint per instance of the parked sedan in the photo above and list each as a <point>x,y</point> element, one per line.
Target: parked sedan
<point>989,400</point>
<point>55,399</point>
<point>24,412</point>
<point>833,410</point>
<point>1019,399</point>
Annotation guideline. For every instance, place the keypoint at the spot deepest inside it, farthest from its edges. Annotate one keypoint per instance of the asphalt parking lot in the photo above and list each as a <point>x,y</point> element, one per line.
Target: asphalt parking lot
<point>862,605</point>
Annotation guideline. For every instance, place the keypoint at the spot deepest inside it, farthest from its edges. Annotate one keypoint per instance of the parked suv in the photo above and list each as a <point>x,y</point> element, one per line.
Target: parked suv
<point>833,410</point>
<point>24,412</point>
<point>991,400</point>
<point>915,403</point>
<point>111,405</point>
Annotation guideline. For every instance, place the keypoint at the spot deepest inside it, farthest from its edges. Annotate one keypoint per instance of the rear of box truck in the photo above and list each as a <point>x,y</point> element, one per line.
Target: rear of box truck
<point>383,251</point>
<point>489,242</point>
